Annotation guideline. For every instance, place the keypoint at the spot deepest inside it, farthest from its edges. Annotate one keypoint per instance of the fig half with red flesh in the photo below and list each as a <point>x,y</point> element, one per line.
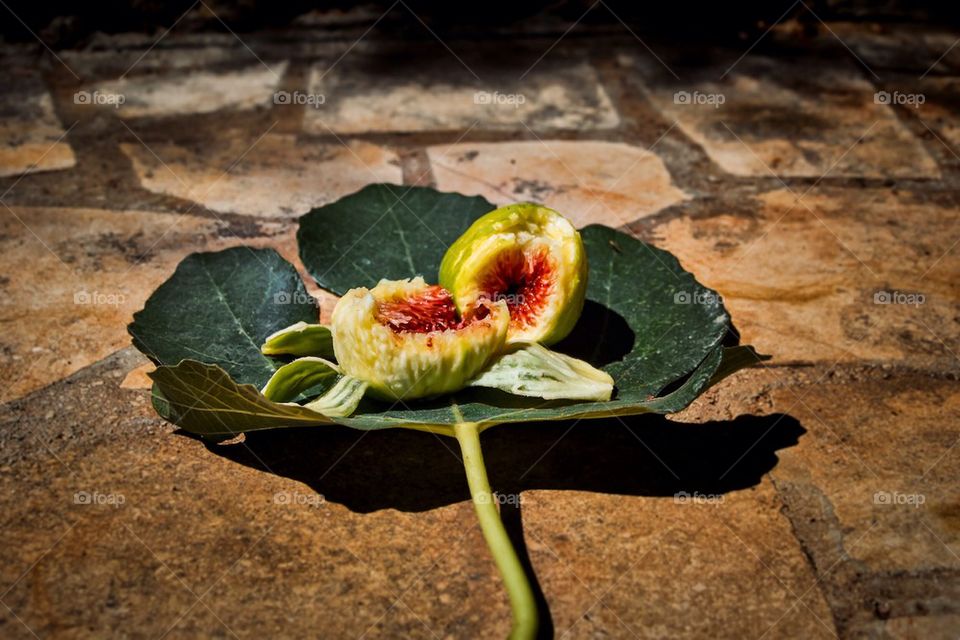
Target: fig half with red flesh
<point>528,256</point>
<point>407,339</point>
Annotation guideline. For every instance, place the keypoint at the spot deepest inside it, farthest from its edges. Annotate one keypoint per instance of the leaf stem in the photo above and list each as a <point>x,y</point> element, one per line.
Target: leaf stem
<point>522,602</point>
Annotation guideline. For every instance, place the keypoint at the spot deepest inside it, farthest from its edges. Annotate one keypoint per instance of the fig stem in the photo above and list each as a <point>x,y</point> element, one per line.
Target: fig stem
<point>522,602</point>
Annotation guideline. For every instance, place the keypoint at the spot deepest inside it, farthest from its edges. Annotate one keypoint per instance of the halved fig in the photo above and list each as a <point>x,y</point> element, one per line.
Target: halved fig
<point>407,340</point>
<point>529,256</point>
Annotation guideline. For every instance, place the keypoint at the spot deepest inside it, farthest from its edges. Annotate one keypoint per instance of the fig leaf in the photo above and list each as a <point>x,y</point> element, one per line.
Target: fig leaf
<point>384,231</point>
<point>203,399</point>
<point>219,307</point>
<point>647,322</point>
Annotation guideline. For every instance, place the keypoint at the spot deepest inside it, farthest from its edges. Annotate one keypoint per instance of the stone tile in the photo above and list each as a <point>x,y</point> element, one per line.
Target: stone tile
<point>914,48</point>
<point>31,136</point>
<point>863,429</point>
<point>802,118</point>
<point>590,182</point>
<point>443,94</point>
<point>620,566</point>
<point>276,176</point>
<point>183,93</point>
<point>126,54</point>
<point>74,277</point>
<point>245,522</point>
<point>940,110</point>
<point>808,281</point>
<point>883,454</point>
<point>923,628</point>
<point>137,378</point>
<point>69,308</point>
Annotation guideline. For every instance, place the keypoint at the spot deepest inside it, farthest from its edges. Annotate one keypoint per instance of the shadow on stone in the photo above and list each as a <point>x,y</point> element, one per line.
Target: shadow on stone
<point>415,471</point>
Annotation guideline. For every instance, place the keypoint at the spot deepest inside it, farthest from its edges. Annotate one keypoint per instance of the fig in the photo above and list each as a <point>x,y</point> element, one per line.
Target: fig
<point>529,256</point>
<point>406,339</point>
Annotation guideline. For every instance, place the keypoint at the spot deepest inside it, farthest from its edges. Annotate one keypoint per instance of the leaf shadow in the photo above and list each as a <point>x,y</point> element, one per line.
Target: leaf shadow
<point>412,471</point>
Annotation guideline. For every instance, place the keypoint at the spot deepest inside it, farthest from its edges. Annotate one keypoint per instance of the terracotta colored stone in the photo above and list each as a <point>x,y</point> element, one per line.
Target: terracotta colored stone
<point>275,176</point>
<point>137,378</point>
<point>883,454</point>
<point>444,96</point>
<point>603,561</point>
<point>32,138</point>
<point>168,517</point>
<point>589,182</point>
<point>811,281</point>
<point>89,270</point>
<point>773,117</point>
<point>180,93</point>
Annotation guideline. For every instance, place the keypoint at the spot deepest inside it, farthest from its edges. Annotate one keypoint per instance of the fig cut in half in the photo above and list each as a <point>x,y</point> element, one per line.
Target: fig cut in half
<point>528,256</point>
<point>407,340</point>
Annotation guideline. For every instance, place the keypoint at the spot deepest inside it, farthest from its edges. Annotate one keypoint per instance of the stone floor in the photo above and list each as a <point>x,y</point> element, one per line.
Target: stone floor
<point>814,181</point>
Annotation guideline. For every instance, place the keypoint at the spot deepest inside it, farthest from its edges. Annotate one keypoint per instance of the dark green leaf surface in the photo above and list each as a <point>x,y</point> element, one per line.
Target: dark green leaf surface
<point>204,400</point>
<point>218,308</point>
<point>383,231</point>
<point>647,322</point>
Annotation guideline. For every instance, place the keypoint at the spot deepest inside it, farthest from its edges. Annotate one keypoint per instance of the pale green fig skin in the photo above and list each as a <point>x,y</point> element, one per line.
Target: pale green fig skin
<point>528,227</point>
<point>400,366</point>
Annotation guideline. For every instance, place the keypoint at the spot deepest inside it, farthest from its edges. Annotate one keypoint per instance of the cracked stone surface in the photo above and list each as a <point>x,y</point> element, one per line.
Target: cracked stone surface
<point>89,271</point>
<point>32,138</point>
<point>881,458</point>
<point>589,182</point>
<point>187,92</point>
<point>270,176</point>
<point>266,543</point>
<point>441,94</point>
<point>764,116</point>
<point>814,496</point>
<point>833,276</point>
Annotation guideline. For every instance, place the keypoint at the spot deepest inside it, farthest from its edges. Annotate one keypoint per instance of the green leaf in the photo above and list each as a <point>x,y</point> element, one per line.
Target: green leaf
<point>300,339</point>
<point>204,399</point>
<point>219,307</point>
<point>533,370</point>
<point>383,231</point>
<point>647,322</point>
